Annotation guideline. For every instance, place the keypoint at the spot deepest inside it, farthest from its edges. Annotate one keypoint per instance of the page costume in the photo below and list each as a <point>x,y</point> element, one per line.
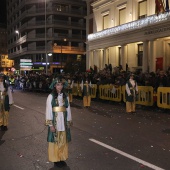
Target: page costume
<point>131,91</point>
<point>6,99</point>
<point>86,93</point>
<point>58,114</point>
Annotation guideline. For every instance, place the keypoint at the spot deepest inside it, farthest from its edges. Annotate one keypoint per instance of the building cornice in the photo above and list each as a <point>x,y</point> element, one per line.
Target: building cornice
<point>101,4</point>
<point>135,25</point>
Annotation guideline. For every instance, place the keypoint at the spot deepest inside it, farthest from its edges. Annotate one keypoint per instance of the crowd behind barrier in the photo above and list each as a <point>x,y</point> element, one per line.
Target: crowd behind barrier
<point>107,84</point>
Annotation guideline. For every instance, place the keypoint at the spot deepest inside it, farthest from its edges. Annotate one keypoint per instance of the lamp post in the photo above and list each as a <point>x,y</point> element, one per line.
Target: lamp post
<point>46,58</point>
<point>62,51</point>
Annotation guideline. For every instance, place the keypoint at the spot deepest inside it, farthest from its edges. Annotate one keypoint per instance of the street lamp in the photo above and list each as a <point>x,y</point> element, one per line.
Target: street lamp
<point>62,51</point>
<point>46,58</point>
<point>50,54</point>
<point>16,31</point>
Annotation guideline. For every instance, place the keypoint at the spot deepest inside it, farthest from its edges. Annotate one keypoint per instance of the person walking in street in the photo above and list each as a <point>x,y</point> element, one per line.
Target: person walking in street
<point>131,92</point>
<point>6,99</point>
<point>12,82</point>
<point>58,120</point>
<point>86,93</point>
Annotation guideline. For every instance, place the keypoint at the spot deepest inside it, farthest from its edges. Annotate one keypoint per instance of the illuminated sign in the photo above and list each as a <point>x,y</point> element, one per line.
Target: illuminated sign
<point>26,64</point>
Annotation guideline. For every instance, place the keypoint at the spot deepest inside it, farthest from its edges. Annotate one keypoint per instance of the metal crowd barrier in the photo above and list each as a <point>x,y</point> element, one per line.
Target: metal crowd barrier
<point>163,97</point>
<point>109,92</point>
<point>76,90</point>
<point>144,97</point>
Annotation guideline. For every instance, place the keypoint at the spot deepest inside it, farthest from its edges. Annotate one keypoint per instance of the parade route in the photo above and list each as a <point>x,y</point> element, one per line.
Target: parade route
<point>126,155</point>
<point>104,137</point>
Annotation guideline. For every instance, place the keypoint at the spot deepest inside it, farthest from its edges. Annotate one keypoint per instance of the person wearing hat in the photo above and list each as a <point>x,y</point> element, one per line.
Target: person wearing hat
<point>58,120</point>
<point>6,99</point>
<point>131,92</point>
<point>86,93</point>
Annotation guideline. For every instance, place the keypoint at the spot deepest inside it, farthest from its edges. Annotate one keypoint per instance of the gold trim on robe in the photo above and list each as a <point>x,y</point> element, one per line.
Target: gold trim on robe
<point>48,122</point>
<point>59,109</point>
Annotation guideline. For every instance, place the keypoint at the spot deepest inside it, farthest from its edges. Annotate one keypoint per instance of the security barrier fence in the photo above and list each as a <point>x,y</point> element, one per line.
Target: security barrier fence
<point>146,95</point>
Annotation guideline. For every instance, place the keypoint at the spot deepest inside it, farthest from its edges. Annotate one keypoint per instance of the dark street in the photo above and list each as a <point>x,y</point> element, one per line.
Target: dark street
<point>104,136</point>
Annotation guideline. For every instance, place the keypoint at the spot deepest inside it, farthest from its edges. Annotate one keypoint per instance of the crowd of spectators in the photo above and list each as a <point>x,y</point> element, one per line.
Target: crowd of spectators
<point>108,75</point>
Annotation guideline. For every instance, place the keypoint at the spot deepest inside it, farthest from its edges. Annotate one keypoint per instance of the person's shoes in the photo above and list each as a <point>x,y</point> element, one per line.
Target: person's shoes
<point>63,163</point>
<point>2,128</point>
<point>58,164</point>
<point>5,128</point>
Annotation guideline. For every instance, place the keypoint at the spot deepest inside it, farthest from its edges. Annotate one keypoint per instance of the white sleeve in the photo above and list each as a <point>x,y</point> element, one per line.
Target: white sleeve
<point>136,87</point>
<point>49,113</point>
<point>69,117</point>
<point>72,84</point>
<point>128,90</point>
<point>11,101</point>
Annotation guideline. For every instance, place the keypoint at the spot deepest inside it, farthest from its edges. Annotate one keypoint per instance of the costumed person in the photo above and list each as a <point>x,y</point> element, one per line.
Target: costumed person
<point>131,92</point>
<point>6,99</point>
<point>70,87</point>
<point>12,83</point>
<point>86,93</point>
<point>58,120</point>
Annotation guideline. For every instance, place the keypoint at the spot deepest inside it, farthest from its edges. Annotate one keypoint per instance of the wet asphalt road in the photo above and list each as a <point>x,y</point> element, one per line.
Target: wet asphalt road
<point>104,137</point>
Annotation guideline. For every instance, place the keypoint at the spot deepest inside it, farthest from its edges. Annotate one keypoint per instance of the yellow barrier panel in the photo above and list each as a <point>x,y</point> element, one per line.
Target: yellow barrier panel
<point>76,90</point>
<point>144,97</point>
<point>109,92</point>
<point>93,90</point>
<point>163,97</point>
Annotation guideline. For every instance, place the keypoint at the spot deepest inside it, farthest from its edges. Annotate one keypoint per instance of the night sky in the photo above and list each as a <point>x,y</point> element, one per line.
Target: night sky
<point>3,14</point>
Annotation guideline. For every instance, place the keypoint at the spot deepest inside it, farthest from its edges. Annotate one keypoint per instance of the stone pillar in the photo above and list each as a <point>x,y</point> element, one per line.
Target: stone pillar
<point>104,58</point>
<point>124,56</point>
<point>87,60</point>
<point>97,58</point>
<point>152,57</point>
<point>145,57</point>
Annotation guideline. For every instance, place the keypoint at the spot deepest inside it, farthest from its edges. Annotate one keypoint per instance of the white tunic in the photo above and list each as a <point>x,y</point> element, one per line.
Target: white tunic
<point>60,117</point>
<point>2,89</point>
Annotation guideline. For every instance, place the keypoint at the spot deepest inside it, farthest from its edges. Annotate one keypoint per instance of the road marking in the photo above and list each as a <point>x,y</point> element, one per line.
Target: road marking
<point>18,107</point>
<point>127,155</point>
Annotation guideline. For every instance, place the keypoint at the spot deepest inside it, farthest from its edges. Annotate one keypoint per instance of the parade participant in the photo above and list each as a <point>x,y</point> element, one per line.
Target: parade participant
<point>86,93</point>
<point>6,99</point>
<point>58,120</point>
<point>12,83</point>
<point>69,89</point>
<point>131,92</point>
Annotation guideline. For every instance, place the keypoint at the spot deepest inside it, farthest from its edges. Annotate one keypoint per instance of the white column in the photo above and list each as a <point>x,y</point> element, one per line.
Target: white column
<point>124,56</point>
<point>96,58</point>
<point>152,57</point>
<point>87,60</point>
<point>145,57</point>
<point>100,59</point>
<point>104,57</point>
<point>90,59</point>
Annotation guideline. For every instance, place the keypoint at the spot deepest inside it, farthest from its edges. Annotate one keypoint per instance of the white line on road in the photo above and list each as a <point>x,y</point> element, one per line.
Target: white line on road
<point>18,107</point>
<point>127,155</point>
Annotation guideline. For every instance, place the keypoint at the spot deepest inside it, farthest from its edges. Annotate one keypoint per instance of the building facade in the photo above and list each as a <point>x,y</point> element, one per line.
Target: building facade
<point>42,27</point>
<point>128,33</point>
<point>5,63</point>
